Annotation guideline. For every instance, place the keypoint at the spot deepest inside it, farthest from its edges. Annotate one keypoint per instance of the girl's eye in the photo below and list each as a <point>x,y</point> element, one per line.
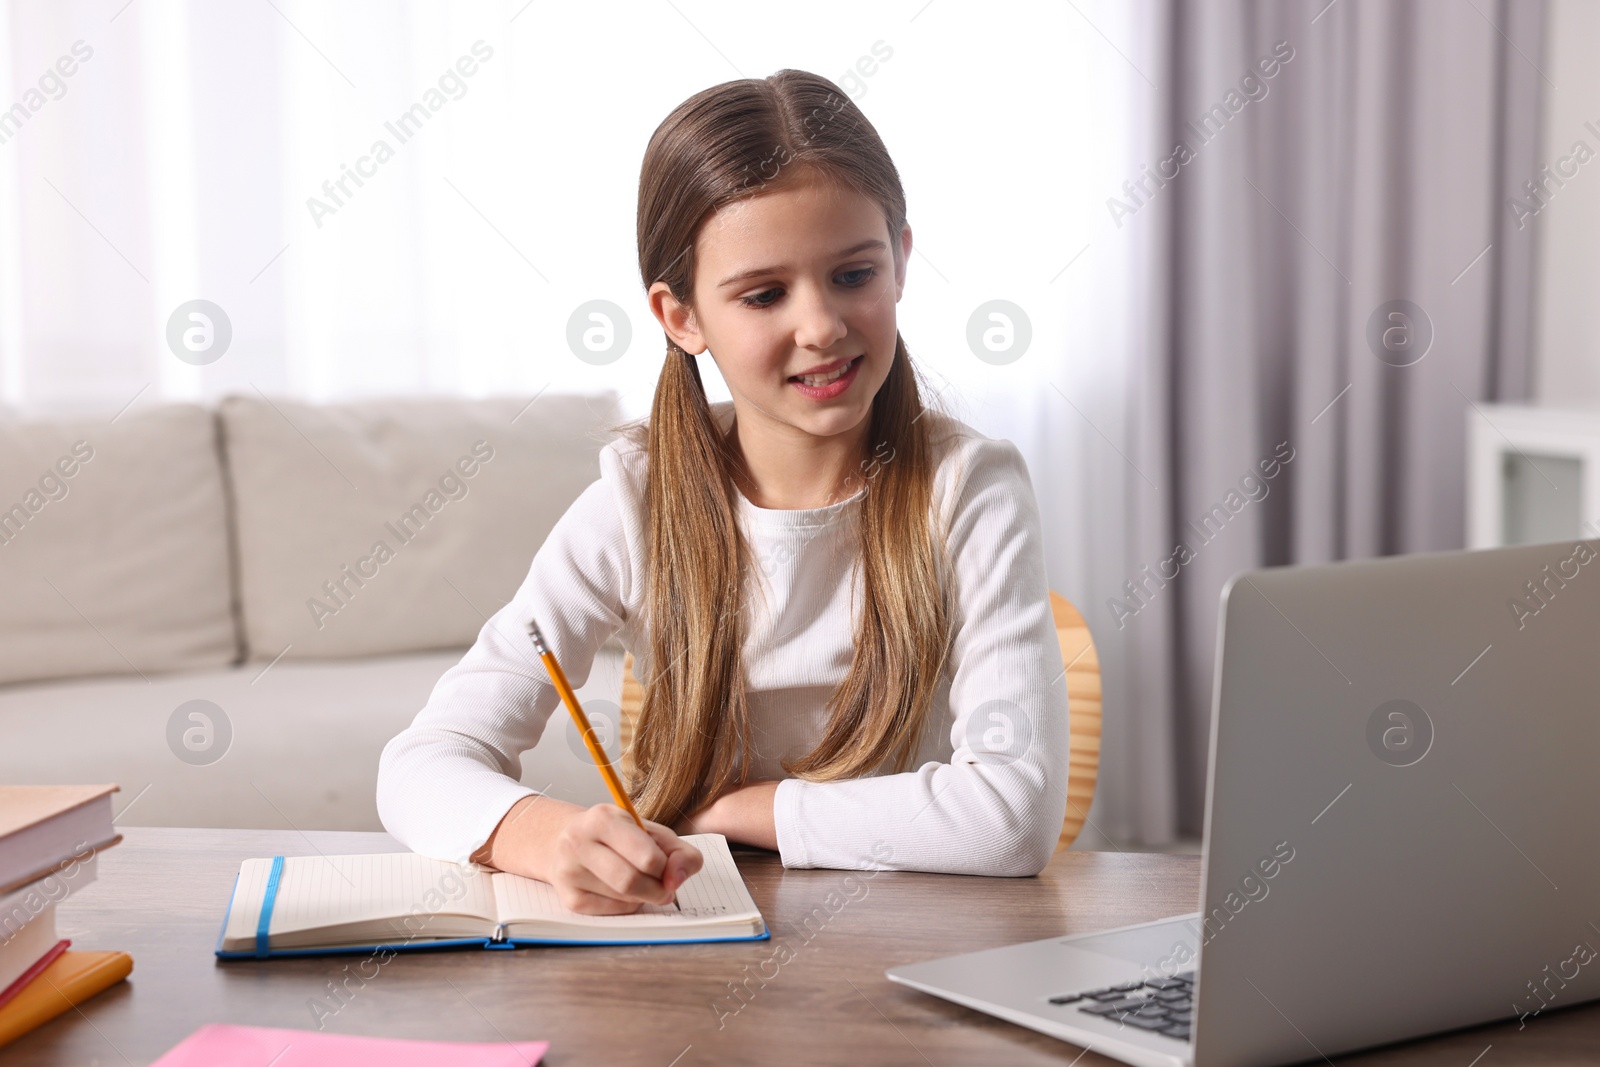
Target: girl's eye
<point>863,275</point>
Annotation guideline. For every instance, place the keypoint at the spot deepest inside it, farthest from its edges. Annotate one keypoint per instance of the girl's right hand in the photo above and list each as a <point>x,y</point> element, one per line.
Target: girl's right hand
<point>601,863</point>
<point>598,859</point>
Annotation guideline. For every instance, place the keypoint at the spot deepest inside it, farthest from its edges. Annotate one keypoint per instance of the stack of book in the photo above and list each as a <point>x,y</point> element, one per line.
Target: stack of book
<point>50,836</point>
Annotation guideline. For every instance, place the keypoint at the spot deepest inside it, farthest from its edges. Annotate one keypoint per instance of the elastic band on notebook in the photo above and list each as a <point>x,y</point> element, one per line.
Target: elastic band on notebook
<point>266,907</point>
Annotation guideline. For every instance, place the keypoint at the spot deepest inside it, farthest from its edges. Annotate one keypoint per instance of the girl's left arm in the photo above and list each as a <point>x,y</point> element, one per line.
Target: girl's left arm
<point>744,815</point>
<point>996,808</point>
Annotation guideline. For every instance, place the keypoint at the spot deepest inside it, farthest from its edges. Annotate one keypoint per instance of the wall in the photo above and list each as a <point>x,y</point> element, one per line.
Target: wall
<point>1567,311</point>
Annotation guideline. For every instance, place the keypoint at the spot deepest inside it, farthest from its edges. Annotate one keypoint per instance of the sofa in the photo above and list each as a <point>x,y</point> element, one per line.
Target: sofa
<point>228,610</point>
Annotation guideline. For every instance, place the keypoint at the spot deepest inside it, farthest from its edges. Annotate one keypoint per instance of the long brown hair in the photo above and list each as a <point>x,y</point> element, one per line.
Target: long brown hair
<point>692,739</point>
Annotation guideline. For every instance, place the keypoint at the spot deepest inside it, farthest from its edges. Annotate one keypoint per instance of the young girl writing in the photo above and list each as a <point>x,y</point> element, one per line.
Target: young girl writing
<point>835,596</point>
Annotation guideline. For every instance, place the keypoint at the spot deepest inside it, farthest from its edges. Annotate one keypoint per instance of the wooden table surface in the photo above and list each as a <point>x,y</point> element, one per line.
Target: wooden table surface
<point>817,993</point>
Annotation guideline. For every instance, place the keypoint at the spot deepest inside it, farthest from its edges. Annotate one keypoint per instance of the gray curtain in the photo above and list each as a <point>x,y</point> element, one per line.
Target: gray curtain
<point>1376,164</point>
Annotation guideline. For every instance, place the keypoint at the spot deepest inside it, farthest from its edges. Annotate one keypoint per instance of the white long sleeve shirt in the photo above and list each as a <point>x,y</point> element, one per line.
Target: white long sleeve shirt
<point>988,790</point>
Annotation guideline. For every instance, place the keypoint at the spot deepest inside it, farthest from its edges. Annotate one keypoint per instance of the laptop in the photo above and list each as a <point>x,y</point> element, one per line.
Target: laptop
<point>1402,832</point>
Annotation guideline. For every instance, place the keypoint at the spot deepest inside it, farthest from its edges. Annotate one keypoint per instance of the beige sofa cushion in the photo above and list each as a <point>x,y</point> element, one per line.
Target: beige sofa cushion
<point>113,546</point>
<point>297,744</point>
<point>397,525</point>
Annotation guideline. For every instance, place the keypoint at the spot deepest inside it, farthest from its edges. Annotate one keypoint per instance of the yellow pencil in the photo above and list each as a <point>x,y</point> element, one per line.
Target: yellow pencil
<point>597,753</point>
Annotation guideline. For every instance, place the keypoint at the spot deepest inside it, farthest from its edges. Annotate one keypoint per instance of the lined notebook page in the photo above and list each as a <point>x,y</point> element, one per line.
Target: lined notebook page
<point>715,893</point>
<point>318,891</point>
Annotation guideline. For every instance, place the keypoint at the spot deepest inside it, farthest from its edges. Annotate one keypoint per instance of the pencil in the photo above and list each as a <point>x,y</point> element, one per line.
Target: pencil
<point>570,698</point>
<point>598,754</point>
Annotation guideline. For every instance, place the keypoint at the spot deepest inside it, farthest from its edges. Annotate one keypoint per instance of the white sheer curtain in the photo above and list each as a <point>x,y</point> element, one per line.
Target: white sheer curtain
<point>177,162</point>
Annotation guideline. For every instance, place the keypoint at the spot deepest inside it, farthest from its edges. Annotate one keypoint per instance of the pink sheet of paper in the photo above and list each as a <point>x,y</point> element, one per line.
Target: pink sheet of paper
<point>223,1045</point>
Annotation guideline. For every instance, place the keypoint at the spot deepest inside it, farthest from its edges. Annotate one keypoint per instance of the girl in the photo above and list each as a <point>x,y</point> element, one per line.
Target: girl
<point>835,597</point>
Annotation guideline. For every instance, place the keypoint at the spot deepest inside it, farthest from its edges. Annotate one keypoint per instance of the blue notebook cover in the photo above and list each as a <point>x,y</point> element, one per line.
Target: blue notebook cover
<point>263,950</point>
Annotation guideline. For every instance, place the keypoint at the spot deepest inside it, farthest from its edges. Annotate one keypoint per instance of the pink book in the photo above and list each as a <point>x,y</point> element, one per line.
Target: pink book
<point>10,992</point>
<point>221,1045</point>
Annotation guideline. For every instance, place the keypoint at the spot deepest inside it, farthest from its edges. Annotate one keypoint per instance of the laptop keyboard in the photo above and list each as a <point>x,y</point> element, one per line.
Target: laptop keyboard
<point>1160,1005</point>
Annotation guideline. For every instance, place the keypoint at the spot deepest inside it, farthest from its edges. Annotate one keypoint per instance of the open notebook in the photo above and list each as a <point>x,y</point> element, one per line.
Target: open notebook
<point>301,905</point>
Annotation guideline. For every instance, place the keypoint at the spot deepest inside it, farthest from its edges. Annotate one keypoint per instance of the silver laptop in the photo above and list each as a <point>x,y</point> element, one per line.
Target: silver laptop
<point>1402,828</point>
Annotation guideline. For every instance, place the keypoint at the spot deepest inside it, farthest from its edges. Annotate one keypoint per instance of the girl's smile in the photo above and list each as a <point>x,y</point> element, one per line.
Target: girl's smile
<point>829,380</point>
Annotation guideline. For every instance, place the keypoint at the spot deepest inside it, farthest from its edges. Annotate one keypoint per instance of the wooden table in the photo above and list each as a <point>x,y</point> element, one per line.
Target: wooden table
<point>162,892</point>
